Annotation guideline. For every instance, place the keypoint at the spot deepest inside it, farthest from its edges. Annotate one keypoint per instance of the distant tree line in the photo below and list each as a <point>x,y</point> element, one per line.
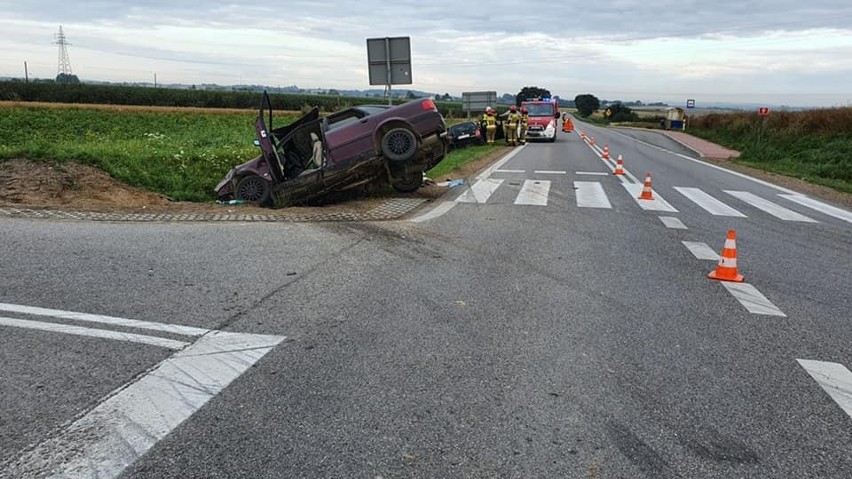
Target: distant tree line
<point>145,96</point>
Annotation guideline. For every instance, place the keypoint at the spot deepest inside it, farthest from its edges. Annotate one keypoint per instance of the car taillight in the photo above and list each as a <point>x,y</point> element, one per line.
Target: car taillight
<point>428,105</point>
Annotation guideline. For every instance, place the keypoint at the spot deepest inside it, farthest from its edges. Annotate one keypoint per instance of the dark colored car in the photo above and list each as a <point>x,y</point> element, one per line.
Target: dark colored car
<point>362,146</point>
<point>464,134</point>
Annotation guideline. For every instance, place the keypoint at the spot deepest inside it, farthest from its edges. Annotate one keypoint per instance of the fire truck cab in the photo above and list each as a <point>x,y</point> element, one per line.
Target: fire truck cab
<point>543,116</point>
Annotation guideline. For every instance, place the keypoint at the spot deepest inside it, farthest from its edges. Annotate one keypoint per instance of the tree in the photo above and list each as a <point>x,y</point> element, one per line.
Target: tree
<point>586,104</point>
<point>67,79</point>
<point>620,112</point>
<point>531,93</point>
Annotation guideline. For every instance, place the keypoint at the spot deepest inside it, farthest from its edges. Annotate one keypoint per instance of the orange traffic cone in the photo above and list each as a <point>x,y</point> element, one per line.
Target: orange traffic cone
<point>646,190</point>
<point>605,155</point>
<point>619,166</point>
<point>592,141</point>
<point>583,135</point>
<point>726,270</point>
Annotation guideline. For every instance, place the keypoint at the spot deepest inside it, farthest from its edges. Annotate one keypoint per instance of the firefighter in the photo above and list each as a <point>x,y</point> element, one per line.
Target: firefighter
<point>489,121</point>
<point>512,129</point>
<point>525,122</point>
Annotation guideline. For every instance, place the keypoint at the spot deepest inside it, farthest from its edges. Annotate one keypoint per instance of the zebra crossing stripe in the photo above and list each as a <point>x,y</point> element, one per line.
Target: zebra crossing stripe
<point>534,192</point>
<point>773,209</point>
<point>708,203</point>
<point>820,206</point>
<point>590,194</point>
<point>752,299</point>
<point>657,204</point>
<point>701,250</point>
<point>673,223</point>
<point>480,191</point>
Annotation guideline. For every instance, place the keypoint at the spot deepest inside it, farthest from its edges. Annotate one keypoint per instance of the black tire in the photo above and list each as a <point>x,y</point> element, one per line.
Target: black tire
<point>399,144</point>
<point>408,182</point>
<point>253,189</point>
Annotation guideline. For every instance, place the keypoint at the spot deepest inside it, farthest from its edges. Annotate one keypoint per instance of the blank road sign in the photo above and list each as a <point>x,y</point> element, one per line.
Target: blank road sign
<point>389,56</point>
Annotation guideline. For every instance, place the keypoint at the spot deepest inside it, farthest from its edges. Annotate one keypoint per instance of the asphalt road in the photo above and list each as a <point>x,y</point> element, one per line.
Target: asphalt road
<point>576,335</point>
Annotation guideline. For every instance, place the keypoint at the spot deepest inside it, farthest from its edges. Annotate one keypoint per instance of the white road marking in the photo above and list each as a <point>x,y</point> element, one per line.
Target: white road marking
<point>533,192</point>
<point>656,204</point>
<point>496,166</point>
<point>509,171</point>
<point>834,379</point>
<point>701,250</point>
<point>673,223</point>
<point>480,191</point>
<point>126,425</point>
<point>96,318</point>
<point>590,194</point>
<point>752,299</point>
<point>695,160</point>
<point>710,204</point>
<point>435,212</point>
<point>773,209</point>
<point>595,173</point>
<point>820,206</point>
<point>550,172</point>
<point>92,332</point>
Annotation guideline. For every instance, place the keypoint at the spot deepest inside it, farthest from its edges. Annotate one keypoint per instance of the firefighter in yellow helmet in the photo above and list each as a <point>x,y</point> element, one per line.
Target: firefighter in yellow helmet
<point>489,121</point>
<point>525,122</point>
<point>513,120</point>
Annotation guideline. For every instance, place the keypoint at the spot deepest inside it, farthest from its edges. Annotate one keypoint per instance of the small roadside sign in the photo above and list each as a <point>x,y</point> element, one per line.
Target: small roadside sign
<point>690,103</point>
<point>763,111</point>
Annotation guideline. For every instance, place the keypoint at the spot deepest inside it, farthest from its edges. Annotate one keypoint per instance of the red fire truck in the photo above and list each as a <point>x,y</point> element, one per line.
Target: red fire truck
<point>544,115</point>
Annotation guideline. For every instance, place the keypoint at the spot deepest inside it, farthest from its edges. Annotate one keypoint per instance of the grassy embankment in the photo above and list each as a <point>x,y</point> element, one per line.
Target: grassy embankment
<point>179,152</point>
<point>814,145</point>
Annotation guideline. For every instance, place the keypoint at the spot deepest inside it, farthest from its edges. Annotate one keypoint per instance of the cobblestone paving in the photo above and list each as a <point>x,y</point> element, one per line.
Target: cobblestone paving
<point>391,209</point>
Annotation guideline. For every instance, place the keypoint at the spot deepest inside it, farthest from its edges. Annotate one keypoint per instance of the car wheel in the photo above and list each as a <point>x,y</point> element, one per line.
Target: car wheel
<point>399,144</point>
<point>409,182</point>
<point>253,189</point>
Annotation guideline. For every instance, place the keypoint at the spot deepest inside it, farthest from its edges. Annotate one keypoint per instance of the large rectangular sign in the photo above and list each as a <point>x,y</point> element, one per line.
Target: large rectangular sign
<point>389,60</point>
<point>477,101</point>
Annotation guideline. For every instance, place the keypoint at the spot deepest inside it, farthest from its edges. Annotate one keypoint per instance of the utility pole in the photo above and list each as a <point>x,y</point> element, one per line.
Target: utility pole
<point>26,74</point>
<point>155,80</point>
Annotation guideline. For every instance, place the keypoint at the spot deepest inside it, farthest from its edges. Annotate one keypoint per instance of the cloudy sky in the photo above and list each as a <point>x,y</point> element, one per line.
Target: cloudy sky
<point>780,52</point>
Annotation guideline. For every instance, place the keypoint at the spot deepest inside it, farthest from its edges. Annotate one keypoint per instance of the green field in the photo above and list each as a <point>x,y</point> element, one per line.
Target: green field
<point>181,153</point>
<point>813,145</point>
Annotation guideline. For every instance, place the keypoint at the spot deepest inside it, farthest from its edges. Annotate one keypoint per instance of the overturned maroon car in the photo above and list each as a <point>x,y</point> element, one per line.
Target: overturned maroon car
<point>351,150</point>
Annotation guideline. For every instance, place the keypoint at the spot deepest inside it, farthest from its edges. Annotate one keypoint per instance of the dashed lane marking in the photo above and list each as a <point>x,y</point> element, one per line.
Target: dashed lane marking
<point>752,299</point>
<point>834,379</point>
<point>673,223</point>
<point>701,250</point>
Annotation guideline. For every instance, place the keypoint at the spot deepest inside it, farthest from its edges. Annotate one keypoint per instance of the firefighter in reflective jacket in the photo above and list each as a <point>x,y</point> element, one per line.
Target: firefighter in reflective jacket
<point>513,120</point>
<point>525,122</point>
<point>489,121</point>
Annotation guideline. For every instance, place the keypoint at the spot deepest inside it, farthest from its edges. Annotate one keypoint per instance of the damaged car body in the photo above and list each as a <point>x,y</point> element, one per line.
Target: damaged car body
<point>362,147</point>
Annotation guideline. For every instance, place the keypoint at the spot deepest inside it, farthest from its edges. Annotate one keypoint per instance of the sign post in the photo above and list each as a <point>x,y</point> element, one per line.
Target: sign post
<point>389,62</point>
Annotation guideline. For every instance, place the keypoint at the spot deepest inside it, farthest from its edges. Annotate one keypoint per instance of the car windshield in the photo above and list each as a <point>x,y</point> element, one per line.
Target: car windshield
<point>539,109</point>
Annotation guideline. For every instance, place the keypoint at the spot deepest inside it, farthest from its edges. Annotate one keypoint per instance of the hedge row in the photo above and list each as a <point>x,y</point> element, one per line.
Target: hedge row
<point>146,96</point>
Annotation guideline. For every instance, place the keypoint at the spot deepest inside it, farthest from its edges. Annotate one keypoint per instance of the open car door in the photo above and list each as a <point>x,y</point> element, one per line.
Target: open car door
<point>269,139</point>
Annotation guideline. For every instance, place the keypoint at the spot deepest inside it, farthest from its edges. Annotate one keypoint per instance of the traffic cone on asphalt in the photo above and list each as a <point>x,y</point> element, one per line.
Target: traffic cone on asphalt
<point>605,155</point>
<point>726,270</point>
<point>592,141</point>
<point>619,166</point>
<point>646,190</point>
<point>583,135</point>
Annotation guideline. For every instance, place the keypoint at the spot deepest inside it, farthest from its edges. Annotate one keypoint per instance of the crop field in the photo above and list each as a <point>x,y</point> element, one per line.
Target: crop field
<point>177,152</point>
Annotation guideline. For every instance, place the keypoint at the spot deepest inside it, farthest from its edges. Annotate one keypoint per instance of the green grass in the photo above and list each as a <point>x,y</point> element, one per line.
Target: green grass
<point>460,157</point>
<point>182,154</point>
<point>815,145</point>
